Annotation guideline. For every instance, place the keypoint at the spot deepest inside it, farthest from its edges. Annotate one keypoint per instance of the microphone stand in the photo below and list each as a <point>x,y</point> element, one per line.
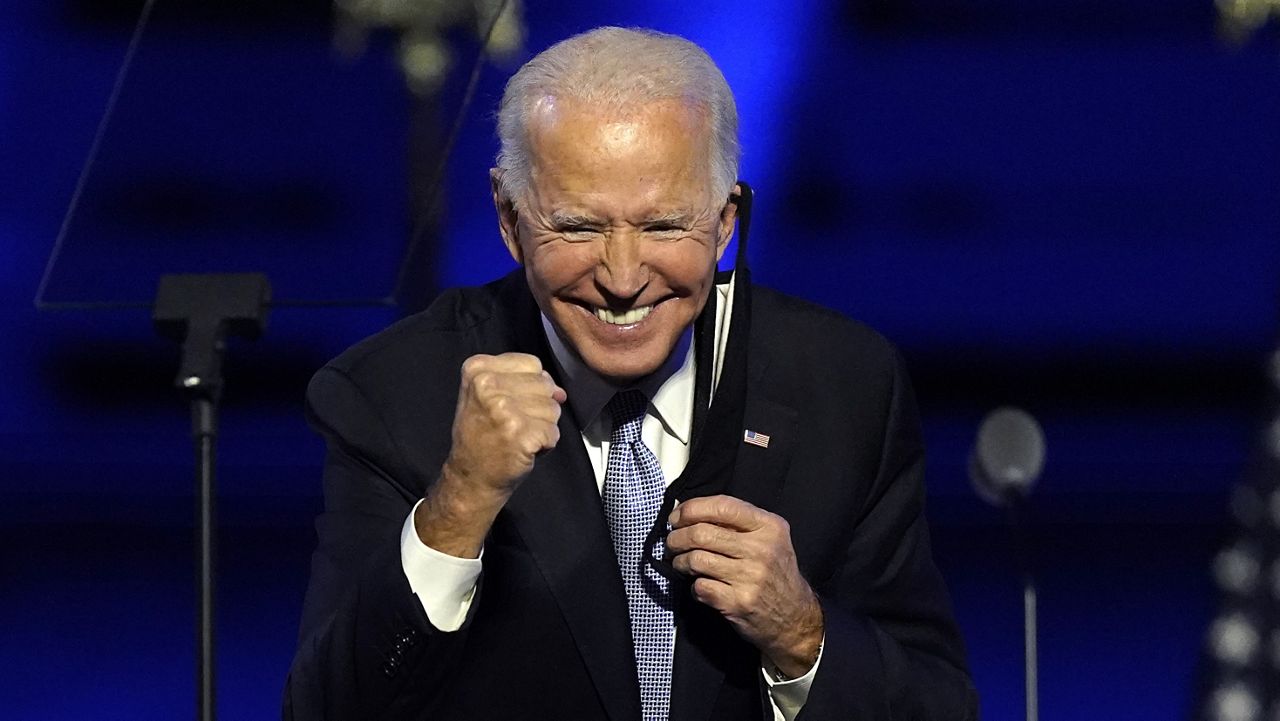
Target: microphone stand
<point>199,311</point>
<point>1016,503</point>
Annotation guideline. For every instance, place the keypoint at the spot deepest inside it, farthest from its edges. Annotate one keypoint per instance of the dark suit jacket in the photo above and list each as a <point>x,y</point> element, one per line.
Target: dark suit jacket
<point>547,633</point>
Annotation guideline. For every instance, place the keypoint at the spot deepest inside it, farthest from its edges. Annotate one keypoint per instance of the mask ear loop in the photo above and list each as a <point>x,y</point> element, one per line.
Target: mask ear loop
<point>704,340</point>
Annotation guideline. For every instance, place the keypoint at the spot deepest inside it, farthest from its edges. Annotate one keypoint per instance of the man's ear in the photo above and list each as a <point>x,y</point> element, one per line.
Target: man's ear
<point>507,218</point>
<point>728,217</point>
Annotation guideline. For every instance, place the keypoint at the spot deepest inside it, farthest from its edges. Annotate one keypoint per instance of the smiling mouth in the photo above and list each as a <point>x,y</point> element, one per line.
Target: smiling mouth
<point>626,317</point>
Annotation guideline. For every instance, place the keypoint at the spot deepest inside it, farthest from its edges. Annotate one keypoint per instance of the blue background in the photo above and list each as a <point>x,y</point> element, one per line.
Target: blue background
<point>1070,205</point>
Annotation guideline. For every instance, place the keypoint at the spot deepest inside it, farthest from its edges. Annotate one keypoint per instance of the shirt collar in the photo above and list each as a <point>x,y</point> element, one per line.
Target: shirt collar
<point>669,389</point>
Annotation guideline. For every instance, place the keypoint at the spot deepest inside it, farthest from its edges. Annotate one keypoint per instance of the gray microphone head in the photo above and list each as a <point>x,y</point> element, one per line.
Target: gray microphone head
<point>1007,456</point>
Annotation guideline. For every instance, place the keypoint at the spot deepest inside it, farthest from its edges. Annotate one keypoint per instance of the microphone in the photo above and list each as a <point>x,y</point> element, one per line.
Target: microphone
<point>1007,456</point>
<point>1006,461</point>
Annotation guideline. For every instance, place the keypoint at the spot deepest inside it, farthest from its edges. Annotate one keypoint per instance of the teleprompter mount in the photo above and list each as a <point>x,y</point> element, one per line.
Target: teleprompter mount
<point>200,311</point>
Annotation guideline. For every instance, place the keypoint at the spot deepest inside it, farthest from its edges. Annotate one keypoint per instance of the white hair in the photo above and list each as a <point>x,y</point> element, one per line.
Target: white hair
<point>617,69</point>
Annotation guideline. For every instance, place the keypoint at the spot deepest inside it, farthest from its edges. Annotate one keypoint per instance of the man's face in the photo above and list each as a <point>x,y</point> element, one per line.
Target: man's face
<point>619,233</point>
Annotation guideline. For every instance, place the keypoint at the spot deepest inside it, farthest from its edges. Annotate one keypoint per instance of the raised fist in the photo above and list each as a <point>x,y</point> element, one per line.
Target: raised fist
<point>508,411</point>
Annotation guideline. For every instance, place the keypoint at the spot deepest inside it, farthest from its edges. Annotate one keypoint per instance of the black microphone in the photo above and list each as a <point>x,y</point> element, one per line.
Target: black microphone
<point>1007,457</point>
<point>1006,461</point>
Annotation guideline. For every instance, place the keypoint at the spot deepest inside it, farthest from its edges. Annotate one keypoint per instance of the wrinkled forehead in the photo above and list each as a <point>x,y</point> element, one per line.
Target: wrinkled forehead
<point>665,140</point>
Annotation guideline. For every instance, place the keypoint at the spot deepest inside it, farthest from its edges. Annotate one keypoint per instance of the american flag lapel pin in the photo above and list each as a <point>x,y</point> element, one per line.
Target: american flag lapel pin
<point>755,439</point>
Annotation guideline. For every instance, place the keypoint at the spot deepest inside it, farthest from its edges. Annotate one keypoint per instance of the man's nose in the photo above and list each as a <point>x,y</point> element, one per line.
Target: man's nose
<point>622,272</point>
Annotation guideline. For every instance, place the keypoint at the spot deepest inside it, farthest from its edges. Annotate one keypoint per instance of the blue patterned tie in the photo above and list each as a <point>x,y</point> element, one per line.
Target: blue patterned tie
<point>633,490</point>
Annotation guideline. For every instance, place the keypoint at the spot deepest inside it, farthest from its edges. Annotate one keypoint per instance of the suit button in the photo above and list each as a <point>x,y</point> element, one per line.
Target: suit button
<point>388,670</point>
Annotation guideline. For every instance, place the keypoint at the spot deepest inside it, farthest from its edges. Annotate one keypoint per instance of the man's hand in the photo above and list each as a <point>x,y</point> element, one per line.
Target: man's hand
<point>507,413</point>
<point>744,566</point>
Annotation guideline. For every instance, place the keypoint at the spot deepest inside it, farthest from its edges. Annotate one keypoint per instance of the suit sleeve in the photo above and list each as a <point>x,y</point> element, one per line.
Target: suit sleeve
<point>892,650</point>
<point>366,647</point>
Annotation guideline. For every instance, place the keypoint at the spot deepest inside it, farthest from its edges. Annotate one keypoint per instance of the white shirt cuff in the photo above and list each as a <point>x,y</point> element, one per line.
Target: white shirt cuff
<point>444,584</point>
<point>788,697</point>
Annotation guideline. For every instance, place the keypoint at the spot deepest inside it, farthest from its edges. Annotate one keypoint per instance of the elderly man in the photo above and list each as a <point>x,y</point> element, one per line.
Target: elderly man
<point>605,486</point>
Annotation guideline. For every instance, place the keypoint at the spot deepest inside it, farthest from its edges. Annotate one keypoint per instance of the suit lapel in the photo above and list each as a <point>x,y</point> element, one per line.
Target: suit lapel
<point>758,472</point>
<point>558,514</point>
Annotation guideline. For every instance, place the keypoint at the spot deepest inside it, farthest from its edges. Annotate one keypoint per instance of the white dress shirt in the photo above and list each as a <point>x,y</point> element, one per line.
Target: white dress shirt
<point>445,584</point>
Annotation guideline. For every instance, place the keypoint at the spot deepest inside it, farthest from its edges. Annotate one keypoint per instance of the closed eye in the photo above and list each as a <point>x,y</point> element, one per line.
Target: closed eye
<point>668,223</point>
<point>575,223</point>
<point>666,229</point>
<point>578,233</point>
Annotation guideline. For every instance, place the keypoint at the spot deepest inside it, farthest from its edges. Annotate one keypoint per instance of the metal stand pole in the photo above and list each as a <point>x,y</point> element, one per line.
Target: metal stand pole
<point>1030,658</point>
<point>204,428</point>
<point>1031,662</point>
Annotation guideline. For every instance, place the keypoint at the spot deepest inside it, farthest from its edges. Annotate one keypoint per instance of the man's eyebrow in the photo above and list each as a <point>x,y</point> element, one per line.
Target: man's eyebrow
<point>561,219</point>
<point>674,217</point>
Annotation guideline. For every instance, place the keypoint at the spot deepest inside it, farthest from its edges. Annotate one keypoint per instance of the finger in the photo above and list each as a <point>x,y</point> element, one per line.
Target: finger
<point>534,436</point>
<point>541,438</point>
<point>704,564</point>
<point>558,393</point>
<point>535,384</point>
<point>514,418</point>
<point>538,384</point>
<point>551,438</point>
<point>713,593</point>
<point>708,537</point>
<point>515,363</point>
<point>724,511</point>
<point>487,383</point>
<point>505,363</point>
<point>538,408</point>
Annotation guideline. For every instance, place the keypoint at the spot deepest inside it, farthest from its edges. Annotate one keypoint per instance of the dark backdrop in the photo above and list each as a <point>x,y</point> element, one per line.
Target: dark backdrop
<point>1067,205</point>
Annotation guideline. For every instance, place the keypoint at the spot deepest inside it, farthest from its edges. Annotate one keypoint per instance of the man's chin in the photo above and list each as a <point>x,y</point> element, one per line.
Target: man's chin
<point>621,372</point>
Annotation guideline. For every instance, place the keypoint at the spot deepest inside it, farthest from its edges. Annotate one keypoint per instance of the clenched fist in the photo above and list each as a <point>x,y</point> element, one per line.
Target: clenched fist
<point>508,412</point>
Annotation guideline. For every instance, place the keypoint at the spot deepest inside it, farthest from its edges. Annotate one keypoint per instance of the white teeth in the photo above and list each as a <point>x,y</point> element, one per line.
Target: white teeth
<point>628,317</point>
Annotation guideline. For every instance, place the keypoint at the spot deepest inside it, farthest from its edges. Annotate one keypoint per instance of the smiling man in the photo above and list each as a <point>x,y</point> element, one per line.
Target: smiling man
<point>519,522</point>
<point>619,226</point>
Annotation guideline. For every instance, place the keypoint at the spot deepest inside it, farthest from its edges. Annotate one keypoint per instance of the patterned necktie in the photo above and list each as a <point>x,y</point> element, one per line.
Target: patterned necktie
<point>633,491</point>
